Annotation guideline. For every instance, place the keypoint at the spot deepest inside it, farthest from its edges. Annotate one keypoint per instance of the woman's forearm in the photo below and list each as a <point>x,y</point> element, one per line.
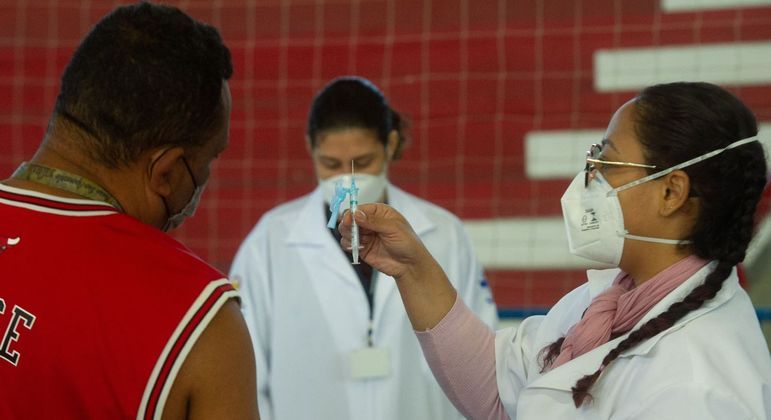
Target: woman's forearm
<point>461,353</point>
<point>427,294</point>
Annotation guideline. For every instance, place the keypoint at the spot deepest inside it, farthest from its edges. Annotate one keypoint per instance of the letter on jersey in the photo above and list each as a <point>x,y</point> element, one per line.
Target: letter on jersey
<point>12,334</point>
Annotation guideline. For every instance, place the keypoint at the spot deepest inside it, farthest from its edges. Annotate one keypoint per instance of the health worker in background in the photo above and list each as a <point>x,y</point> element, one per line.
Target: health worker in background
<point>103,315</point>
<point>669,199</point>
<point>331,339</point>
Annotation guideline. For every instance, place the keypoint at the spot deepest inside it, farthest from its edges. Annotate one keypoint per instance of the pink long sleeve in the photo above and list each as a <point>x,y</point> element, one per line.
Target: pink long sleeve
<point>461,353</point>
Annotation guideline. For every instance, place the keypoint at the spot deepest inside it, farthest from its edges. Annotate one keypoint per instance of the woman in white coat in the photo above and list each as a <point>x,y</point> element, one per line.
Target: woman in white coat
<point>668,199</point>
<point>331,339</point>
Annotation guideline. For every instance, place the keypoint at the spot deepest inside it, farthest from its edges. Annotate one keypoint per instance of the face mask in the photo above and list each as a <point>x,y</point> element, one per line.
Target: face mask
<point>593,218</point>
<point>371,187</point>
<point>175,220</point>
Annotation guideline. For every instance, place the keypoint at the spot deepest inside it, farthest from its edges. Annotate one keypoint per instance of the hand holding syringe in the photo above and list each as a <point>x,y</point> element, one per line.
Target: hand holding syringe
<point>353,200</point>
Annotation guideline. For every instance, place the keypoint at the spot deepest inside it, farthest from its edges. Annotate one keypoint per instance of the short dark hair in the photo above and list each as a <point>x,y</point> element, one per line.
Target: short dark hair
<point>145,76</point>
<point>354,102</point>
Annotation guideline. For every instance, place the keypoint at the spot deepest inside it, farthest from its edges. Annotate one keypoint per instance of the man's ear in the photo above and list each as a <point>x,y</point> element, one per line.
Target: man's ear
<point>165,169</point>
<point>393,144</point>
<point>675,192</point>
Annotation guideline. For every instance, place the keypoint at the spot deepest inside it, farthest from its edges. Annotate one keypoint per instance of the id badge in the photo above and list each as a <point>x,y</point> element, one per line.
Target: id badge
<point>369,363</point>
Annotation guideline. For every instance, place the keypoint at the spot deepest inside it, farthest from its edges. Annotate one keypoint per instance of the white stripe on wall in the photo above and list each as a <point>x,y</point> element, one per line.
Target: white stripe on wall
<point>729,64</point>
<point>691,5</point>
<point>764,133</point>
<point>522,243</point>
<point>558,153</point>
<point>760,242</point>
<point>561,153</point>
<point>541,243</point>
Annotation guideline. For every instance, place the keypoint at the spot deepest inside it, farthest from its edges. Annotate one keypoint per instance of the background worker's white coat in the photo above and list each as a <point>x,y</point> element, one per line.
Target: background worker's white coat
<point>713,364</point>
<point>307,311</point>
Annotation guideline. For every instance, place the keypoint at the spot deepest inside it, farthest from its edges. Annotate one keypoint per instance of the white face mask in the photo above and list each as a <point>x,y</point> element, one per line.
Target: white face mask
<point>593,218</point>
<point>371,187</point>
<point>175,220</point>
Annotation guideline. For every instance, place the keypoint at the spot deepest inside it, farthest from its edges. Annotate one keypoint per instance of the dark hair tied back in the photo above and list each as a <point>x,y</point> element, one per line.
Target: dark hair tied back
<point>674,123</point>
<point>354,102</point>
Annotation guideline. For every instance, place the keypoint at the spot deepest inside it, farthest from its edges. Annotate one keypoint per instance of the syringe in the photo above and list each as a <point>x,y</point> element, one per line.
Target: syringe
<point>353,195</point>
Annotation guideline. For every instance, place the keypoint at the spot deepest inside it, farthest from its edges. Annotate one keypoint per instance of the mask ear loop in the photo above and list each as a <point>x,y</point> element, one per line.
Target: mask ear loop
<point>163,199</point>
<point>683,165</point>
<point>658,240</point>
<point>190,171</point>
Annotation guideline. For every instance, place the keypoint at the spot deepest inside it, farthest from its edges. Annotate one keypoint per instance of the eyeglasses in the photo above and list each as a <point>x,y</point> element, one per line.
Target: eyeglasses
<point>593,157</point>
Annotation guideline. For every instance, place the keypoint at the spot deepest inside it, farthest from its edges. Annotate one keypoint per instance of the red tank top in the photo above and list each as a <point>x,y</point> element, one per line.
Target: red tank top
<point>97,310</point>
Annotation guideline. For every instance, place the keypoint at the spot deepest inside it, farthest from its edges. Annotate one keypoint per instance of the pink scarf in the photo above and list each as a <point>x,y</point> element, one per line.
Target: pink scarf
<point>621,306</point>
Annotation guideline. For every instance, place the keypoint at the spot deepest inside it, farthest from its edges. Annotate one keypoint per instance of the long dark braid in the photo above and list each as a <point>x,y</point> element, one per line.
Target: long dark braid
<point>676,122</point>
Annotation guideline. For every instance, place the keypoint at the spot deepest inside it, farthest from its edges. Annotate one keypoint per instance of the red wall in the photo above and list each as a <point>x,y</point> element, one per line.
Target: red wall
<point>472,77</point>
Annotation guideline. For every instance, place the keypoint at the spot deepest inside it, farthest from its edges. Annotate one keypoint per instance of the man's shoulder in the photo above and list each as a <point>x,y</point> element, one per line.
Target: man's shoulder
<point>143,250</point>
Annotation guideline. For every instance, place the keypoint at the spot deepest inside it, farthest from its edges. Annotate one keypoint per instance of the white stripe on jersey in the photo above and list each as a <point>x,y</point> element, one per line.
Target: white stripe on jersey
<point>177,364</point>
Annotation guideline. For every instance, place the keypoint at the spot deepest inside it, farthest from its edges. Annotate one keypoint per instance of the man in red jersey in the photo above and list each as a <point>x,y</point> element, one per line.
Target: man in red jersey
<point>103,315</point>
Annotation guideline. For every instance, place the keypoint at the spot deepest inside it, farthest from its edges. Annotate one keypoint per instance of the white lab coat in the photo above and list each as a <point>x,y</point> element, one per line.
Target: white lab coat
<point>712,364</point>
<point>307,311</point>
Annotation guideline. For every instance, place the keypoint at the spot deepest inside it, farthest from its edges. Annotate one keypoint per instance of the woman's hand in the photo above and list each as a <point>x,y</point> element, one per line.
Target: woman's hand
<point>389,245</point>
<point>387,241</point>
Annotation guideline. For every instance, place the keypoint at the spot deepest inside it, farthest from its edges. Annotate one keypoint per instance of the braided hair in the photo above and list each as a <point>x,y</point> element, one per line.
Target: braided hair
<point>676,122</point>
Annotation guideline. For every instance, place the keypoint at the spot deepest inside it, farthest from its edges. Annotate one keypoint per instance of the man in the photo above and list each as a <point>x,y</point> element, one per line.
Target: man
<point>102,315</point>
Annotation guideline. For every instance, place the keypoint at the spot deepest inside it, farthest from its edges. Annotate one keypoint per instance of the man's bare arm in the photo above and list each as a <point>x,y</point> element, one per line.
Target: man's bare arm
<point>217,379</point>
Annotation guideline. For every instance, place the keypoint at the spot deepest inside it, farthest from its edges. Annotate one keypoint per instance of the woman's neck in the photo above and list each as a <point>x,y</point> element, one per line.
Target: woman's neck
<point>643,260</point>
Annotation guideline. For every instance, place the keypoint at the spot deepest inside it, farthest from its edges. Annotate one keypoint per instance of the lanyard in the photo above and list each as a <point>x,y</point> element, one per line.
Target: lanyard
<point>371,299</point>
<point>65,181</point>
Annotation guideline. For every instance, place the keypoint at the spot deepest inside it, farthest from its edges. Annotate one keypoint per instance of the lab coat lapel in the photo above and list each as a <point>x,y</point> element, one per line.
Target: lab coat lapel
<point>329,272</point>
<point>599,280</point>
<point>385,287</point>
<point>564,377</point>
<point>317,248</point>
<point>407,205</point>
